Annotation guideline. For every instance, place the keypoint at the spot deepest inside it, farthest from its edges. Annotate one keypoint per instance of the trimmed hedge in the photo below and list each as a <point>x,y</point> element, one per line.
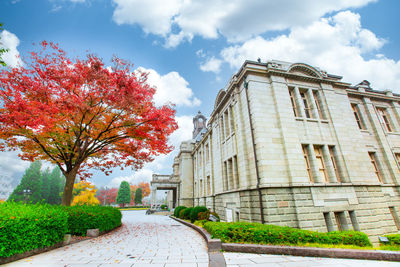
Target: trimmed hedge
<point>194,213</point>
<point>256,233</point>
<point>186,213</point>
<point>394,239</point>
<point>205,216</point>
<point>25,227</point>
<point>81,218</point>
<point>178,209</point>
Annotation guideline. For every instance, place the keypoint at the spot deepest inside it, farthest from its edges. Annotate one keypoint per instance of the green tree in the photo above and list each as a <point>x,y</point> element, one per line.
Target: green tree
<point>45,190</point>
<point>56,185</point>
<point>124,193</point>
<point>138,196</point>
<point>2,50</point>
<point>30,187</point>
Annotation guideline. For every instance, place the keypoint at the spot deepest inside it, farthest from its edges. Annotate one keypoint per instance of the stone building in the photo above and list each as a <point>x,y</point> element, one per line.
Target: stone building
<point>290,144</point>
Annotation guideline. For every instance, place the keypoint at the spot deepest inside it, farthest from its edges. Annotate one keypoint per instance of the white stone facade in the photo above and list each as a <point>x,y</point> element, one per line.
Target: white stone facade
<point>289,144</point>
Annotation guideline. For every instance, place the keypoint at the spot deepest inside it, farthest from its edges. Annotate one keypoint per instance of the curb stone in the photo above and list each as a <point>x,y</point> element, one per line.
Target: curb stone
<point>216,258</point>
<point>217,245</point>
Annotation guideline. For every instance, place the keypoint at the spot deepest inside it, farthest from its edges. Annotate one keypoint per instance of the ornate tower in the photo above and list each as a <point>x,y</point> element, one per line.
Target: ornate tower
<point>199,123</point>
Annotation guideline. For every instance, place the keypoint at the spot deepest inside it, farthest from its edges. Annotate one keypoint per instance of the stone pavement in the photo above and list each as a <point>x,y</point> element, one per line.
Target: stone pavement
<point>143,240</point>
<point>254,260</point>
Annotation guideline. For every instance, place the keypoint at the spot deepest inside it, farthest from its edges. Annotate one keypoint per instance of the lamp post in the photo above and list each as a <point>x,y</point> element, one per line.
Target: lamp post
<point>26,193</point>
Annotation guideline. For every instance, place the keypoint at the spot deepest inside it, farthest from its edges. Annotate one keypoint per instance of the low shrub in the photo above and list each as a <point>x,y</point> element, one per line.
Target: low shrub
<point>181,213</point>
<point>27,227</point>
<point>186,213</point>
<point>194,213</point>
<point>177,210</point>
<point>394,239</point>
<point>242,232</point>
<point>164,207</point>
<point>82,218</point>
<point>206,215</point>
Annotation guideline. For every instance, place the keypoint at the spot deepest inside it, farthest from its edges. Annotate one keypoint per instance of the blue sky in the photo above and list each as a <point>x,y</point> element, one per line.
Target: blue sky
<point>192,48</point>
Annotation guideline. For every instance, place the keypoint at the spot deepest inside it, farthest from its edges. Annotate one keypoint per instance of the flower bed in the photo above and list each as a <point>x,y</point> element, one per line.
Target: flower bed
<point>256,233</point>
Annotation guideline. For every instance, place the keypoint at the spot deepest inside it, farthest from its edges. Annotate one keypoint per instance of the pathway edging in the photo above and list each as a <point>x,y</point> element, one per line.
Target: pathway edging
<point>216,258</point>
<point>216,244</point>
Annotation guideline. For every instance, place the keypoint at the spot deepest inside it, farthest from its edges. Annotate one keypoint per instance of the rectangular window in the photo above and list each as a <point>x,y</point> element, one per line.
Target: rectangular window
<point>293,101</point>
<point>384,119</point>
<point>354,222</point>
<point>201,188</point>
<point>375,165</point>
<point>321,163</point>
<point>307,109</point>
<point>196,189</point>
<point>231,120</point>
<point>356,112</point>
<point>307,160</point>
<point>208,185</point>
<point>328,222</point>
<point>334,164</point>
<point>340,221</point>
<point>236,170</point>
<point>317,104</point>
<point>222,129</point>
<point>207,153</point>
<point>395,217</point>
<point>225,176</point>
<point>230,173</point>
<point>226,124</point>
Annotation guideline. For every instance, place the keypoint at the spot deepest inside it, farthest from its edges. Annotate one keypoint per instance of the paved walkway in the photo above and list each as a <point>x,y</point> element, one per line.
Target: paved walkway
<point>143,240</point>
<point>254,260</point>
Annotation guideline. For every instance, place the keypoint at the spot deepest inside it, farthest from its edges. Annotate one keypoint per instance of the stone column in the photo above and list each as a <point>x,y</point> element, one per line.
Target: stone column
<point>153,195</point>
<point>299,102</point>
<point>314,165</point>
<point>328,164</point>
<point>314,110</point>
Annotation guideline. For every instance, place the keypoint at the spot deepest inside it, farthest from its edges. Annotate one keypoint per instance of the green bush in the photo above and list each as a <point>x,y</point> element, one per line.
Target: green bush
<point>177,210</point>
<point>394,239</point>
<point>26,227</point>
<point>82,218</point>
<point>164,207</point>
<point>194,213</point>
<point>186,213</point>
<point>181,213</point>
<point>205,215</point>
<point>242,232</point>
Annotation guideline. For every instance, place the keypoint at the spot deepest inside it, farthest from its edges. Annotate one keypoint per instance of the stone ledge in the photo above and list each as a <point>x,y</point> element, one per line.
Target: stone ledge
<point>313,252</point>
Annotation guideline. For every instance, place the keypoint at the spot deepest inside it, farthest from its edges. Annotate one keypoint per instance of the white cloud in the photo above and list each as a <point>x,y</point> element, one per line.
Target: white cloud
<point>236,20</point>
<point>183,133</point>
<point>153,15</point>
<point>171,87</point>
<point>337,44</point>
<point>212,65</point>
<point>10,41</point>
<point>11,165</point>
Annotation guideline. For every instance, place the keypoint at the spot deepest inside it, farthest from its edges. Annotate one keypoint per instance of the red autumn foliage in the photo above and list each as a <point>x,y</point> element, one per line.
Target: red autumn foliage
<point>81,115</point>
<point>145,190</point>
<point>107,196</point>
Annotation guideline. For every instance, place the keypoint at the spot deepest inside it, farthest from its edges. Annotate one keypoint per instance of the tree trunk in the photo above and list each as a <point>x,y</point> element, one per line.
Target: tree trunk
<point>69,186</point>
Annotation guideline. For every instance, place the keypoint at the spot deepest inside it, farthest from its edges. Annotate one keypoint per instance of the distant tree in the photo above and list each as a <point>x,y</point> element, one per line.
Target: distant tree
<point>56,186</point>
<point>45,190</point>
<point>124,194</point>
<point>2,50</point>
<point>30,187</point>
<point>107,196</point>
<point>145,186</point>
<point>84,194</point>
<point>138,196</point>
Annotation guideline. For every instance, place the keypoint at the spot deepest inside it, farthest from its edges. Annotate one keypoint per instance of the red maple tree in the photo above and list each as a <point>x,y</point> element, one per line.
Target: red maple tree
<point>107,196</point>
<point>79,114</point>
